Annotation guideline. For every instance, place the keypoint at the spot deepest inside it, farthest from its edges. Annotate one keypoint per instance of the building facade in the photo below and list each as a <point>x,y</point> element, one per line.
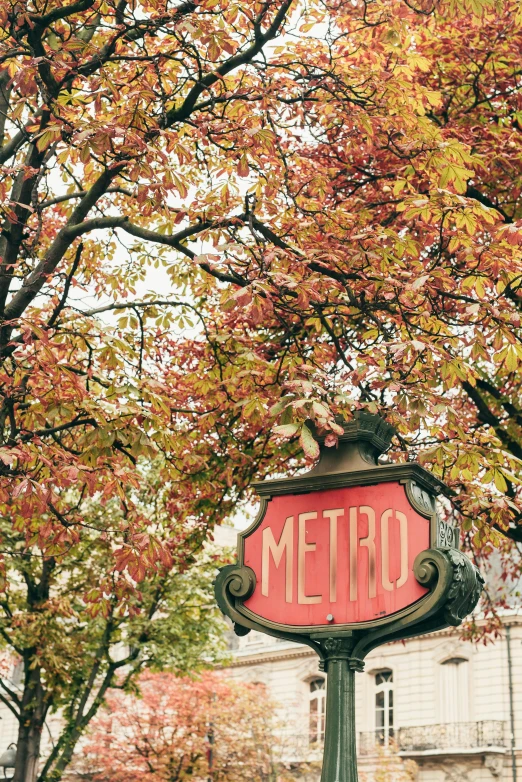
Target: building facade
<point>454,707</point>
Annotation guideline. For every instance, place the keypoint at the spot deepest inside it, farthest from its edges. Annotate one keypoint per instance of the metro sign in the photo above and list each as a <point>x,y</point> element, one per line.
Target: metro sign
<point>345,558</point>
<point>341,556</point>
<point>352,545</point>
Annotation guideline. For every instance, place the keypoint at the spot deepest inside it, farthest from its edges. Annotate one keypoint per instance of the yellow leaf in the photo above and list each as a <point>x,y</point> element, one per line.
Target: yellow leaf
<point>511,359</point>
<point>500,481</point>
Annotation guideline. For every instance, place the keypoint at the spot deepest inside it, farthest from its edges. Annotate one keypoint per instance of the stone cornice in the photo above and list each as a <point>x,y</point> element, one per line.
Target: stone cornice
<point>259,656</point>
<point>378,474</point>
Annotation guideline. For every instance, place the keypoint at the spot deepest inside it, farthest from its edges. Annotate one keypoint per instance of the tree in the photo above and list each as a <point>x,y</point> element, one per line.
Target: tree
<point>354,191</point>
<point>79,627</point>
<point>104,121</point>
<point>400,246</point>
<point>178,729</point>
<point>406,191</point>
<point>105,112</point>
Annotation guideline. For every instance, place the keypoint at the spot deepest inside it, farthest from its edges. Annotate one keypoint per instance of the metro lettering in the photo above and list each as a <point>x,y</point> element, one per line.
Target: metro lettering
<point>273,550</point>
<point>285,545</point>
<point>302,548</point>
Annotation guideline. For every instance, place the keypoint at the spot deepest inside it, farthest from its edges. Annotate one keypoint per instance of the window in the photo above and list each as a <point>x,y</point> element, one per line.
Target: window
<point>317,710</point>
<point>384,707</point>
<point>454,690</point>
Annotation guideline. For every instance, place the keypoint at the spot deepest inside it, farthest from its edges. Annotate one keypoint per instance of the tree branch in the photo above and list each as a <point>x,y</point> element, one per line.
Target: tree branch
<point>133,304</point>
<point>75,227</point>
<point>5,94</point>
<point>10,706</point>
<point>81,194</point>
<point>61,304</point>
<point>186,108</point>
<point>61,12</point>
<point>78,421</point>
<point>487,416</point>
<point>13,695</point>
<point>176,239</point>
<point>18,649</point>
<point>13,145</point>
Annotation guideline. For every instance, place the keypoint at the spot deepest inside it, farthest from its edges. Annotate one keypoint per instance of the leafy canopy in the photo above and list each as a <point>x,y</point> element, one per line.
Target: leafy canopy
<point>331,192</point>
<point>337,217</point>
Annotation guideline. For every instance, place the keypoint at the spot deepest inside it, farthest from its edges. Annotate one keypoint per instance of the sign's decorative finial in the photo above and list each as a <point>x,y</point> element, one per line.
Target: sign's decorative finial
<point>344,558</point>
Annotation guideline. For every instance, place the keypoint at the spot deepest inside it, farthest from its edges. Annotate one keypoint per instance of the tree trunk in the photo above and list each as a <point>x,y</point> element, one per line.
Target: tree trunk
<point>32,719</point>
<point>65,758</point>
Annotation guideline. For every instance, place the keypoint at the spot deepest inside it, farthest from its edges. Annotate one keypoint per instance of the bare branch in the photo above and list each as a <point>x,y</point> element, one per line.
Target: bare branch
<point>11,693</point>
<point>134,304</point>
<point>7,702</point>
<point>61,304</point>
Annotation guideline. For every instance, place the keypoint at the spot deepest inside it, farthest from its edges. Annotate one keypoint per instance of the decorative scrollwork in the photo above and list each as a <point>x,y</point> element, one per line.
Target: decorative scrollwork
<point>466,586</point>
<point>234,582</point>
<point>336,649</point>
<point>332,646</point>
<point>356,664</point>
<point>461,581</point>
<point>241,582</point>
<point>426,567</point>
<point>494,764</point>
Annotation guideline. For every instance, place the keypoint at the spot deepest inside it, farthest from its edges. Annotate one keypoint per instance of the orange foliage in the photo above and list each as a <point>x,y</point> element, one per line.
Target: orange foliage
<point>182,729</point>
<point>354,191</point>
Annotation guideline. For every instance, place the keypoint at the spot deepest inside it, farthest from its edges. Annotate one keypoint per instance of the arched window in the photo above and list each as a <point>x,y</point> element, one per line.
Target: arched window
<point>454,690</point>
<point>317,710</point>
<point>384,707</point>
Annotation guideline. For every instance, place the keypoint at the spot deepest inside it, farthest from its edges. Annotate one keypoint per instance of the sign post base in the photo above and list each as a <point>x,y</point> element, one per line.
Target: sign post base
<point>340,753</point>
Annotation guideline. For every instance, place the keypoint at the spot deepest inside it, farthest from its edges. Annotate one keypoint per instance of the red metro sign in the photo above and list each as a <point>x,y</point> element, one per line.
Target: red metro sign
<point>345,558</point>
<point>353,546</point>
<point>340,556</point>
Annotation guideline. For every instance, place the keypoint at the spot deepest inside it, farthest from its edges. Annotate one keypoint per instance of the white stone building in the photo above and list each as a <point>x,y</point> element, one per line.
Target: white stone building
<point>449,705</point>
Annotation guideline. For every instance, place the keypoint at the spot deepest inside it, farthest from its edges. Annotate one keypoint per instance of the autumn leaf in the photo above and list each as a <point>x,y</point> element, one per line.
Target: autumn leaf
<point>308,443</point>
<point>286,430</point>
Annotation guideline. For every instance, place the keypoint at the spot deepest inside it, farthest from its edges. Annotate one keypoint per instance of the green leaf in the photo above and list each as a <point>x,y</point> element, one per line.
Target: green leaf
<point>511,359</point>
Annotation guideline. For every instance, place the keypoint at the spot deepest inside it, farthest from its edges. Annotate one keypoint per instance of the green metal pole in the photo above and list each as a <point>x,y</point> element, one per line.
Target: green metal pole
<point>340,759</point>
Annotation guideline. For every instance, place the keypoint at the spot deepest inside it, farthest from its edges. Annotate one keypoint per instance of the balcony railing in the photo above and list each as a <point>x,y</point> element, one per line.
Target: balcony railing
<point>450,737</point>
<point>372,742</point>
